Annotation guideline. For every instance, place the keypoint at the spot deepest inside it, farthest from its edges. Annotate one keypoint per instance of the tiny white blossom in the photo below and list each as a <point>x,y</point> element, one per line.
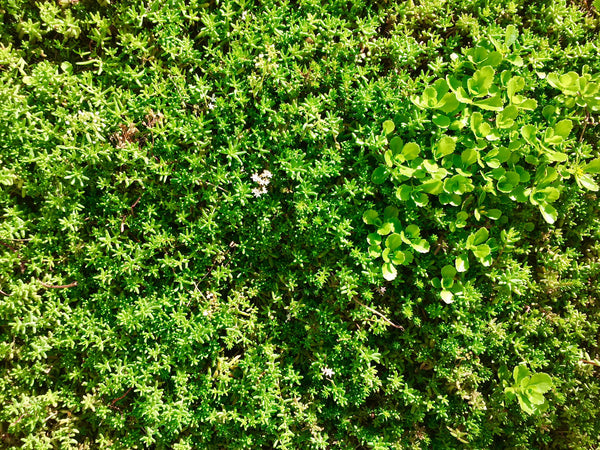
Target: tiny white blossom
<point>267,174</point>
<point>327,372</point>
<point>256,178</point>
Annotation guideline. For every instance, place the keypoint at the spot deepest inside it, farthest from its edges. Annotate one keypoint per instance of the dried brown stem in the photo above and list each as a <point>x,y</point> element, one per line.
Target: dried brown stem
<point>400,327</point>
<point>62,286</point>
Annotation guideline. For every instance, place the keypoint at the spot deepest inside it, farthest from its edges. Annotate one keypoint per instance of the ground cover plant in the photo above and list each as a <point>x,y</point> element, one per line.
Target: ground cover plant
<point>299,224</point>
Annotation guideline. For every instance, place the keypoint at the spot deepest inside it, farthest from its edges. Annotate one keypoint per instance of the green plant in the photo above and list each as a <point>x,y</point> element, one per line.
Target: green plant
<point>529,389</point>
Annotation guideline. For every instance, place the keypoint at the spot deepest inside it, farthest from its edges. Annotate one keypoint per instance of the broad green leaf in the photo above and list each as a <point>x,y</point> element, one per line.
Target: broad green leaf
<point>469,156</point>
<point>461,219</point>
<point>563,128</point>
<point>432,187</point>
<point>593,166</point>
<point>447,283</point>
<point>510,35</point>
<point>520,373</point>
<point>448,103</point>
<point>374,251</point>
<point>398,257</point>
<point>506,118</point>
<point>529,132</point>
<point>385,229</point>
<point>422,246</point>
<point>370,217</point>
<point>548,212</point>
<point>461,263</point>
<point>411,151</point>
<point>374,239</point>
<point>386,255</point>
<point>480,236</point>
<point>393,241</point>
<point>387,157</point>
<point>388,126</point>
<point>447,296</point>
<point>481,81</point>
<point>412,231</point>
<point>514,85</point>
<point>493,103</point>
<point>403,192</point>
<point>389,271</point>
<point>482,250</point>
<point>396,145</point>
<point>441,121</point>
<point>379,175</point>
<point>445,146</point>
<point>540,382</point>
<point>534,397</point>
<point>587,181</point>
<point>525,404</point>
<point>515,60</point>
<point>420,198</point>
<point>494,214</point>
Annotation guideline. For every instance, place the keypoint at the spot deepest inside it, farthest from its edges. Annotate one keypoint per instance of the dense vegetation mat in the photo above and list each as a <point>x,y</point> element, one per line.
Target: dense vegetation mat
<point>299,224</point>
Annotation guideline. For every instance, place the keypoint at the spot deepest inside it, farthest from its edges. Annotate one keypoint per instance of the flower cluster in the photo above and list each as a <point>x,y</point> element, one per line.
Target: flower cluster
<point>263,181</point>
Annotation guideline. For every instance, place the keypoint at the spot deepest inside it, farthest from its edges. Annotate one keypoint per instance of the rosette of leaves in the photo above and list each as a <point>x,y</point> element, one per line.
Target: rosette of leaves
<point>392,242</point>
<point>528,389</point>
<point>581,91</point>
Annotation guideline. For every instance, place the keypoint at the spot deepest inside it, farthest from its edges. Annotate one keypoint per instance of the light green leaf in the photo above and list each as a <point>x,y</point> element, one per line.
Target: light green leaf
<point>493,103</point>
<point>370,217</point>
<point>441,120</point>
<point>393,241</point>
<point>374,251</point>
<point>587,181</point>
<point>388,126</point>
<point>481,251</point>
<point>444,147</point>
<point>374,239</point>
<point>447,296</point>
<point>520,373</point>
<point>398,257</point>
<point>389,271</point>
<point>469,156</point>
<point>548,212</point>
<point>480,236</point>
<point>540,382</point>
<point>461,263</point>
<point>411,151</point>
<point>593,166</point>
<point>422,246</point>
<point>494,214</point>
<point>385,229</point>
<point>510,35</point>
<point>403,192</point>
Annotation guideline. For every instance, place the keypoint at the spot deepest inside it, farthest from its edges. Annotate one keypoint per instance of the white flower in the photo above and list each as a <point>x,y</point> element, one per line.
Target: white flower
<point>267,174</point>
<point>327,372</point>
<point>258,192</point>
<point>256,178</point>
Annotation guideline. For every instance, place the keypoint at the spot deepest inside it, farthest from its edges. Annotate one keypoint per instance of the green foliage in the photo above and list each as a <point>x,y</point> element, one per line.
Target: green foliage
<point>529,390</point>
<point>185,192</point>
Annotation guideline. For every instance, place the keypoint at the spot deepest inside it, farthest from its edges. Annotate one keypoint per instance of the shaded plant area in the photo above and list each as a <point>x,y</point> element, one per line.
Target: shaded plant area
<point>299,224</point>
